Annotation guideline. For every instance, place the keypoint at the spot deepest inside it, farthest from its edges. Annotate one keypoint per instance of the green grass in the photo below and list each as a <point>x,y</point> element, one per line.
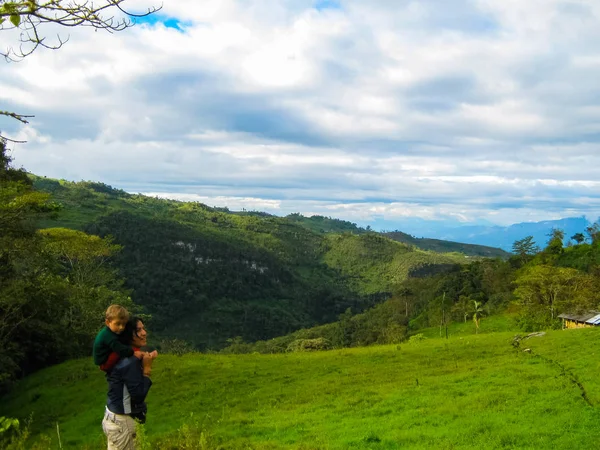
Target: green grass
<point>467,392</point>
<point>492,324</point>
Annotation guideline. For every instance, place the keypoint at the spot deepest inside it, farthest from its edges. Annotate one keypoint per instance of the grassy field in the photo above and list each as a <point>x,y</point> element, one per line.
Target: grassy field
<point>465,392</point>
<point>491,324</point>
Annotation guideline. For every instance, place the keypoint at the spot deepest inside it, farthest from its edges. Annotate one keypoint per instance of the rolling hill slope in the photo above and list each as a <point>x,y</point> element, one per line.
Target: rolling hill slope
<point>207,275</point>
<point>466,392</point>
<point>438,245</point>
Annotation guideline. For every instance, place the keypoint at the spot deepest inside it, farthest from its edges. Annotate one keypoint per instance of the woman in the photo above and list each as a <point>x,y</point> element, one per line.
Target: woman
<point>128,384</point>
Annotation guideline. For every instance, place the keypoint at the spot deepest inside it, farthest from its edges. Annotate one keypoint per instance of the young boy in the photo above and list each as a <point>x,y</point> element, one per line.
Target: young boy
<point>107,348</point>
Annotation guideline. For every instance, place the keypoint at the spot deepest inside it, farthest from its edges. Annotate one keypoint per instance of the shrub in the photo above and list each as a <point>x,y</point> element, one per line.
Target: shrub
<point>309,345</point>
<point>237,345</point>
<point>13,436</point>
<point>417,338</point>
<point>177,347</point>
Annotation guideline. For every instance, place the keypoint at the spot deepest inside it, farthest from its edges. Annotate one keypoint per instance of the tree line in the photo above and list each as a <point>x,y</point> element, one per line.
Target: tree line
<point>532,287</point>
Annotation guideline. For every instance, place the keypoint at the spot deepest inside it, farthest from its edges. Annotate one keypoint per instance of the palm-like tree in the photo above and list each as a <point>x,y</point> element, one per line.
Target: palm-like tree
<point>478,313</point>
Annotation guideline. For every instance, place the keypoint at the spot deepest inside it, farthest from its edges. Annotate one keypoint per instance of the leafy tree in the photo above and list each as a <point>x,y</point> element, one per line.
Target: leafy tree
<point>497,278</point>
<point>463,307</point>
<point>593,231</point>
<point>555,243</point>
<point>21,259</point>
<point>525,246</point>
<point>524,249</point>
<point>54,284</point>
<point>90,283</point>
<point>545,291</point>
<point>578,238</point>
<point>81,255</point>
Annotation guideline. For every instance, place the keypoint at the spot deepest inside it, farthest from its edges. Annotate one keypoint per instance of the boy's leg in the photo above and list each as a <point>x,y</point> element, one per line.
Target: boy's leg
<point>110,362</point>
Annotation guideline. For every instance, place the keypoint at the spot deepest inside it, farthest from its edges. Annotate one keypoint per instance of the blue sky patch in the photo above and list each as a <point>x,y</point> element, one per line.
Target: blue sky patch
<point>169,22</point>
<point>327,4</point>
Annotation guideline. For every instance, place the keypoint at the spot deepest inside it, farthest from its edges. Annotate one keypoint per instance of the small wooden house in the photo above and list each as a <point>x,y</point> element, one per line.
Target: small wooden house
<point>583,320</point>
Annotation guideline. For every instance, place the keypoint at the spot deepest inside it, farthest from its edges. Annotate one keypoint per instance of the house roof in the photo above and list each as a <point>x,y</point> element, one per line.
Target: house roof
<point>591,317</point>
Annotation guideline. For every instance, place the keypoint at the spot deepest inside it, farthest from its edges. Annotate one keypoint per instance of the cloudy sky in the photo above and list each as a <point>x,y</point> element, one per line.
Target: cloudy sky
<point>453,110</point>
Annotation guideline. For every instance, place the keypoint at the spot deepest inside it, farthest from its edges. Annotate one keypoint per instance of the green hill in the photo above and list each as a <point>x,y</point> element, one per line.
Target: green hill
<point>465,392</point>
<point>206,274</point>
<point>321,224</point>
<point>437,245</point>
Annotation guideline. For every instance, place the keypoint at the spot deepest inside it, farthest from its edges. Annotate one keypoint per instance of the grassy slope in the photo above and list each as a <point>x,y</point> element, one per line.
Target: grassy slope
<point>465,392</point>
<point>371,261</point>
<point>322,224</point>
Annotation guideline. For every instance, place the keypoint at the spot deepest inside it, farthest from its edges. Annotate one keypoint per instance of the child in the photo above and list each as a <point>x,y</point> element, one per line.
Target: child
<point>107,348</point>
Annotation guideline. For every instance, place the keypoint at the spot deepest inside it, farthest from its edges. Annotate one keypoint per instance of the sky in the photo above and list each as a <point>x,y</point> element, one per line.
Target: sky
<point>457,111</point>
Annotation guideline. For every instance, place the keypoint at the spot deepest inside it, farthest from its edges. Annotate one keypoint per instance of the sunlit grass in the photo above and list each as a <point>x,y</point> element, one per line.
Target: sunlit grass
<point>463,392</point>
<point>491,324</point>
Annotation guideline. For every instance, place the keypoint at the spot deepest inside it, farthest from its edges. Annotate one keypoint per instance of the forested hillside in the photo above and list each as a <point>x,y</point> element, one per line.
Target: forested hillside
<point>321,224</point>
<point>530,290</point>
<point>207,275</point>
<point>210,279</point>
<point>204,275</point>
<point>438,245</point>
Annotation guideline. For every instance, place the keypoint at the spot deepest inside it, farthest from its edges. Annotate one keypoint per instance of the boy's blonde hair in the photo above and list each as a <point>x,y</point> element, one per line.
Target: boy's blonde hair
<point>116,312</point>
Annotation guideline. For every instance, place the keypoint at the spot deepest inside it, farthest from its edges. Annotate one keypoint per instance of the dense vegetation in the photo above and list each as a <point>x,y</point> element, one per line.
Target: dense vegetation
<point>321,224</point>
<point>533,286</point>
<point>203,275</point>
<point>207,275</point>
<point>438,245</point>
<point>54,282</point>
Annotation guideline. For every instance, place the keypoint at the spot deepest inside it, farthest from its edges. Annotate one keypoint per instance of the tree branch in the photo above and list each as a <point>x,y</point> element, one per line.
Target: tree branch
<point>20,117</point>
<point>29,15</point>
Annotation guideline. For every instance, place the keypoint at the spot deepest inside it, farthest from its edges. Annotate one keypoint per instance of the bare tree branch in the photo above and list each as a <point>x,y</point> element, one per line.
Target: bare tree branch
<point>30,16</point>
<point>20,117</point>
<point>14,141</point>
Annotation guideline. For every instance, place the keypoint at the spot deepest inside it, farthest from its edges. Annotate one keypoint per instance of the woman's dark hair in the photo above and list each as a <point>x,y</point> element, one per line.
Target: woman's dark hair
<point>130,331</point>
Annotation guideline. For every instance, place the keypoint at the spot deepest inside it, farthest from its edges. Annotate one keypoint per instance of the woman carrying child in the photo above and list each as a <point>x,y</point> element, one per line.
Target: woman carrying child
<point>128,384</point>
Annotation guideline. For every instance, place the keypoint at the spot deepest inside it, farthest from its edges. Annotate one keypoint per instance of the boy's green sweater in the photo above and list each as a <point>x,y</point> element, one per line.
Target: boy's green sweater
<point>107,342</point>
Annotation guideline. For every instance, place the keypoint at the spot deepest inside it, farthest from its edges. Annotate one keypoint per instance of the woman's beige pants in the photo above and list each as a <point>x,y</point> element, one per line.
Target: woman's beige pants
<point>119,430</point>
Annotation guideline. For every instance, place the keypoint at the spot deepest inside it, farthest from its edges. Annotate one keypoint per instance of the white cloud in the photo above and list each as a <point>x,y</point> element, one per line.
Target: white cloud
<point>459,110</point>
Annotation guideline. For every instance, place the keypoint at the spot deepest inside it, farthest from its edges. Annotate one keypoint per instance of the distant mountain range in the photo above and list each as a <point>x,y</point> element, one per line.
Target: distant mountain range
<point>492,235</point>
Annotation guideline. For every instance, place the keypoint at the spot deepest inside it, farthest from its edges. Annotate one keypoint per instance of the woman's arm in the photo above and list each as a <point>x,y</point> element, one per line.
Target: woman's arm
<point>118,347</point>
